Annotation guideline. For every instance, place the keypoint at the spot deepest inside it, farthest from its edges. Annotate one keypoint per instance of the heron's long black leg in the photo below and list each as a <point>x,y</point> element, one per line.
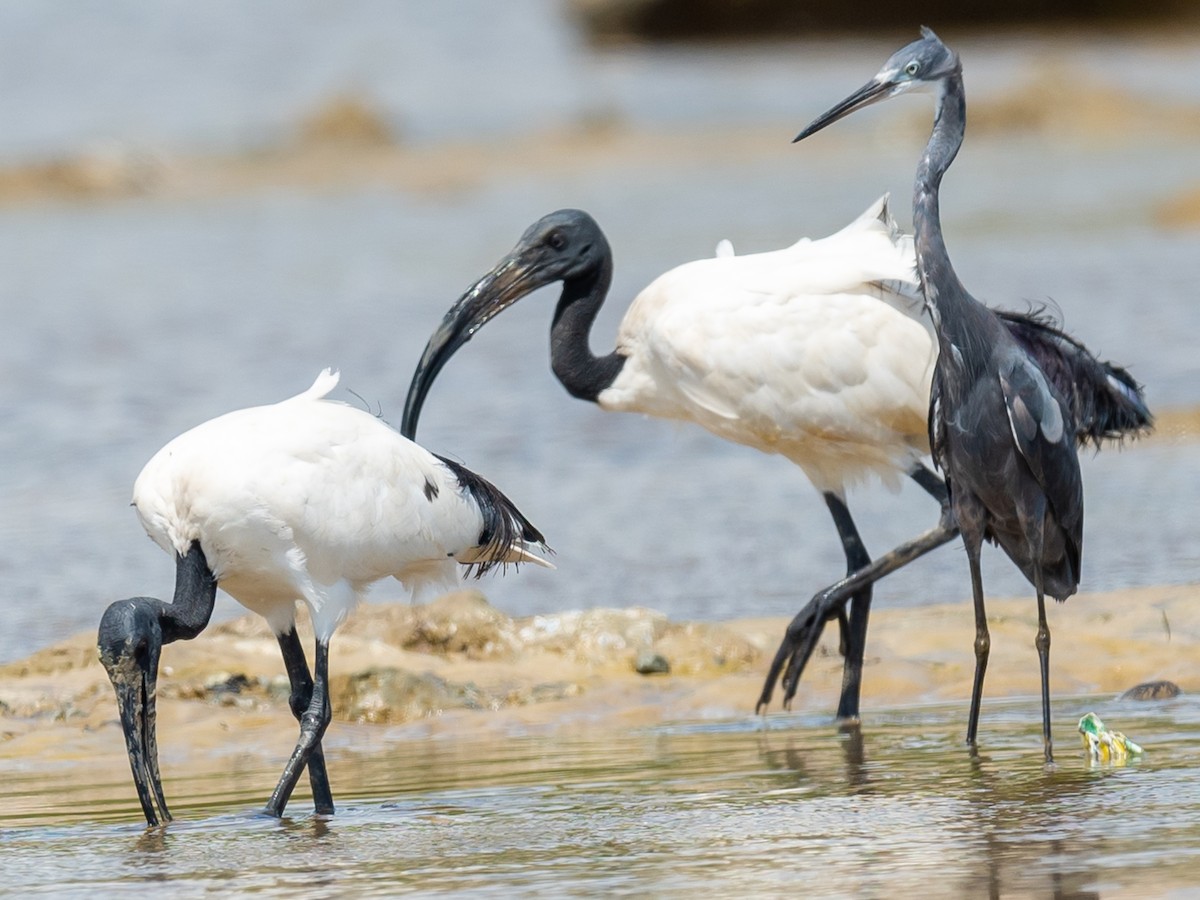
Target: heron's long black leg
<point>1035,530</point>
<point>313,723</point>
<point>301,697</point>
<point>802,633</point>
<point>1043,648</point>
<point>983,640</point>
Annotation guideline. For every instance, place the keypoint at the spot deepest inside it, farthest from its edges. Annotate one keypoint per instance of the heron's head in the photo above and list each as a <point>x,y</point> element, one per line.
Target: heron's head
<point>923,65</point>
<point>129,642</point>
<point>566,246</point>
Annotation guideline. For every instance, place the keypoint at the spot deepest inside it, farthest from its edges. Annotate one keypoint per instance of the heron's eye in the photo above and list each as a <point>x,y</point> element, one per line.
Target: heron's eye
<point>912,68</point>
<point>557,240</point>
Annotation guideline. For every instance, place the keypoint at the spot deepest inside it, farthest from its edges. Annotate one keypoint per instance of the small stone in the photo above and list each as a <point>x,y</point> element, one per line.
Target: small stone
<point>1152,690</point>
<point>225,684</point>
<point>648,662</point>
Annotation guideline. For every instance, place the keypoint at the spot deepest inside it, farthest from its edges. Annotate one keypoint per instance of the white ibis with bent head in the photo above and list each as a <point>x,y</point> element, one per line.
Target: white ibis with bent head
<point>308,500</point>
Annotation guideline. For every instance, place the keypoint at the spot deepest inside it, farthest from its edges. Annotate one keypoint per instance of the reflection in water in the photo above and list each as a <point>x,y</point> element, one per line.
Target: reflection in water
<point>892,806</point>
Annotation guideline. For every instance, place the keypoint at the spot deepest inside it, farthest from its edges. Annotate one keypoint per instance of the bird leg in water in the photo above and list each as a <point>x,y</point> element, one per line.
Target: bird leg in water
<point>805,629</point>
<point>313,722</point>
<point>973,540</point>
<point>1043,647</point>
<point>301,696</point>
<point>1035,535</point>
<point>854,637</point>
<point>129,640</point>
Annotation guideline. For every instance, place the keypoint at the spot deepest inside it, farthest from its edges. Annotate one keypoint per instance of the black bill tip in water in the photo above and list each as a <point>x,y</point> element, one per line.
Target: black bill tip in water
<point>129,642</point>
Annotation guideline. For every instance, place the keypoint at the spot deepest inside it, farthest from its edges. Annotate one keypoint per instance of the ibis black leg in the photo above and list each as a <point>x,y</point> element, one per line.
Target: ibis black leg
<point>800,639</point>
<point>802,633</point>
<point>932,483</point>
<point>860,609</point>
<point>301,696</point>
<point>313,722</point>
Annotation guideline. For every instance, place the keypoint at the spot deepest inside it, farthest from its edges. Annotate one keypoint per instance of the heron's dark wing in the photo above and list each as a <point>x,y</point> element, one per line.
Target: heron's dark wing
<point>937,422</point>
<point>1042,434</point>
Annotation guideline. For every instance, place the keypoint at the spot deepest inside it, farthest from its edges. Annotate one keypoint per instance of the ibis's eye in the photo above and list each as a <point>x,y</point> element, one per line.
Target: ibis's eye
<point>912,68</point>
<point>557,240</point>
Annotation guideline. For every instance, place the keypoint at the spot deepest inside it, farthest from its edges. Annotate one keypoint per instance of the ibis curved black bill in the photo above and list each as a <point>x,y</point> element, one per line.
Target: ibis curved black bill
<point>504,285</point>
<point>871,92</point>
<point>130,641</point>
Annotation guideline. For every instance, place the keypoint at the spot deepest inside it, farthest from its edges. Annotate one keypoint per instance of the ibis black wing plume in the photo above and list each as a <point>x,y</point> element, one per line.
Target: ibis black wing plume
<point>504,526</point>
<point>1105,401</point>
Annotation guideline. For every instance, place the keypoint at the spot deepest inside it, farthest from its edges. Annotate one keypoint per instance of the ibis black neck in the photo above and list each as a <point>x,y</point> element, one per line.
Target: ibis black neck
<point>581,372</point>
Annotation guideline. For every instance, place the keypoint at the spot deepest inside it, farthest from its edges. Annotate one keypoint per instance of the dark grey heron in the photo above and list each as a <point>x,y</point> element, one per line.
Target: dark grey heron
<point>818,352</point>
<point>1000,430</point>
<point>307,500</point>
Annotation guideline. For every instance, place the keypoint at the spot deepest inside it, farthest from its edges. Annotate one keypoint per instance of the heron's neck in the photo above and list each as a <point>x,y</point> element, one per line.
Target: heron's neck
<point>938,278</point>
<point>582,373</point>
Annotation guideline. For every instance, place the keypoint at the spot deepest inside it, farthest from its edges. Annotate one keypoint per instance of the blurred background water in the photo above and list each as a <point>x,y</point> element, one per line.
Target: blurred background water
<point>172,246</point>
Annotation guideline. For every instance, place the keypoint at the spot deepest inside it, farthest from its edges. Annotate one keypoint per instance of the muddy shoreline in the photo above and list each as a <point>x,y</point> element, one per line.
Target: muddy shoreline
<point>461,667</point>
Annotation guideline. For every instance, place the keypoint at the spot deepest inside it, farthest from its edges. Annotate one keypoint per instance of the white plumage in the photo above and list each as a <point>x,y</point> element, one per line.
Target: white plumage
<point>818,352</point>
<point>309,499</point>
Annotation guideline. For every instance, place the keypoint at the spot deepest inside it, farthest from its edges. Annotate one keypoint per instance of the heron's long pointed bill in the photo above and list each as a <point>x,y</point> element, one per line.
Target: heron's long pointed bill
<point>871,92</point>
<point>499,289</point>
<point>134,685</point>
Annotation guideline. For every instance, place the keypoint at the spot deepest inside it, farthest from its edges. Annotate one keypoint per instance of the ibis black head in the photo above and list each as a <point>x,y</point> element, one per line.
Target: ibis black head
<point>130,640</point>
<point>564,246</point>
<point>922,65</point>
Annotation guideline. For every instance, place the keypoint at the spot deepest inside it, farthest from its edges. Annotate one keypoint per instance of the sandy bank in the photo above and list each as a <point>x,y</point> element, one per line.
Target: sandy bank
<point>459,665</point>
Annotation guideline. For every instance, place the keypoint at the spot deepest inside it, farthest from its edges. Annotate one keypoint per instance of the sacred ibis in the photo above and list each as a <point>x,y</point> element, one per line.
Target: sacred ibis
<point>307,500</point>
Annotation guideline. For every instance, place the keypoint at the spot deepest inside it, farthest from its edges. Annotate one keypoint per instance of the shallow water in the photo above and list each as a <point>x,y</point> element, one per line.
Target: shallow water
<point>123,323</point>
<point>727,807</point>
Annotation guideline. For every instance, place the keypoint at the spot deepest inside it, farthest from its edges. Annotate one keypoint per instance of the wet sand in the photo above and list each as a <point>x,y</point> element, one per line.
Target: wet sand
<point>460,667</point>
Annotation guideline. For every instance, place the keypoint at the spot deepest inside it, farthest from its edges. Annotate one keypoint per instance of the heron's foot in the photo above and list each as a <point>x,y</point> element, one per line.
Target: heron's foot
<point>793,654</point>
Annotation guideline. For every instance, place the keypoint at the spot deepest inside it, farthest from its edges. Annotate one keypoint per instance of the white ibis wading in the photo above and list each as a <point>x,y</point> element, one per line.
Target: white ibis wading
<point>308,500</point>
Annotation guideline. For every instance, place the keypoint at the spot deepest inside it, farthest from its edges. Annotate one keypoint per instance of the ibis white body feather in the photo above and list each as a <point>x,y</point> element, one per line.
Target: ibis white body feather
<point>309,500</point>
<point>820,352</point>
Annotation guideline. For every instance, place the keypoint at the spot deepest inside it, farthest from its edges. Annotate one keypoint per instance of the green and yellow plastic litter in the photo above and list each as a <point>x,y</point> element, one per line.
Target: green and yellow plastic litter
<point>1105,746</point>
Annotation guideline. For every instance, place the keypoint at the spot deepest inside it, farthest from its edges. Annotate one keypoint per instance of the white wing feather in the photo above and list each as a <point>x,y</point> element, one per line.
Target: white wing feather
<point>307,499</point>
<point>818,351</point>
